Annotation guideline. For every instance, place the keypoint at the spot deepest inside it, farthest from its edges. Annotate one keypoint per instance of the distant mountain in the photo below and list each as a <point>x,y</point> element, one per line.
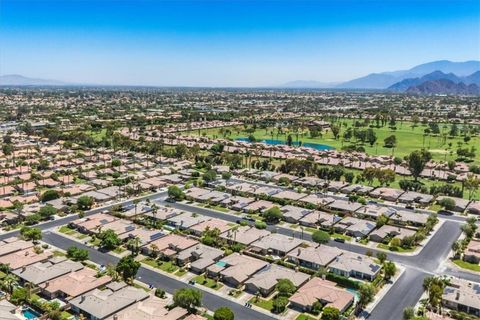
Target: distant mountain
<point>18,80</point>
<point>403,85</point>
<point>386,79</point>
<point>410,82</point>
<point>308,84</point>
<point>444,86</point>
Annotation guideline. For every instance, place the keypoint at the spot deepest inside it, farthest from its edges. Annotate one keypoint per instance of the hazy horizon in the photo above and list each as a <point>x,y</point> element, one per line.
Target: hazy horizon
<point>234,43</point>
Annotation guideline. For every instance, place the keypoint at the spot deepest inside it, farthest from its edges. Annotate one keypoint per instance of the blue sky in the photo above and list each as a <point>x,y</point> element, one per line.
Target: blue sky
<point>230,43</point>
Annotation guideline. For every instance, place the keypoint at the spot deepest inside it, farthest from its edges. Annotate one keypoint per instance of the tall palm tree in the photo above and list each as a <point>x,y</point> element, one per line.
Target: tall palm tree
<point>10,281</point>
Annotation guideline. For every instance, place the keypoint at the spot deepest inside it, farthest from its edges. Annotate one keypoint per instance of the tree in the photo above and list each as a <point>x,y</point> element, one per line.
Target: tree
<point>223,313</point>
<point>19,296</point>
<point>9,282</point>
<point>381,256</point>
<point>335,131</point>
<point>174,192</point>
<point>33,234</point>
<point>127,267</point>
<point>289,140</point>
<point>50,195</point>
<point>434,287</point>
<point>390,141</point>
<point>320,236</point>
<point>395,242</point>
<point>389,269</point>
<point>381,220</point>
<point>285,287</point>
<point>210,176</point>
<point>85,202</point>
<point>279,304</point>
<point>109,239</point>
<point>472,184</point>
<point>77,254</point>
<point>416,162</point>
<point>330,313</point>
<point>47,211</point>
<point>366,292</point>
<point>447,203</point>
<point>371,137</point>
<point>188,298</point>
<point>273,215</point>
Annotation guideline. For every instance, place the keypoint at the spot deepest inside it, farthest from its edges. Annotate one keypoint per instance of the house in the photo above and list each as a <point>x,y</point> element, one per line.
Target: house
<point>289,195</point>
<point>186,220</point>
<point>462,295</point>
<point>265,280</point>
<point>324,291</point>
<point>410,197</point>
<point>336,186</point>
<point>317,200</point>
<point>13,244</point>
<point>235,269</point>
<point>275,244</point>
<point>386,232</point>
<point>210,224</point>
<point>385,193</point>
<point>460,203</point>
<point>23,258</point>
<point>152,308</point>
<point>474,207</point>
<point>355,227</point>
<point>119,226</point>
<point>169,245</point>
<point>373,211</point>
<point>244,235</point>
<point>258,206</point>
<point>472,252</point>
<point>293,214</point>
<point>145,236</point>
<point>313,257</point>
<point>355,265</point>
<point>73,284</point>
<point>101,304</point>
<point>91,223</point>
<point>344,206</point>
<point>357,189</point>
<point>162,213</point>
<point>41,272</point>
<point>7,310</point>
<point>404,217</point>
<point>236,202</point>
<point>199,256</point>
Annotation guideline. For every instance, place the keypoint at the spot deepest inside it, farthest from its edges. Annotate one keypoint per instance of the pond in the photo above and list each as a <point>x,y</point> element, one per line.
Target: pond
<point>316,146</point>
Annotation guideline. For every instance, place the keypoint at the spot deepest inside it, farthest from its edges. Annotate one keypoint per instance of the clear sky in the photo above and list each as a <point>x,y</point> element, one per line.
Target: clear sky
<point>230,42</point>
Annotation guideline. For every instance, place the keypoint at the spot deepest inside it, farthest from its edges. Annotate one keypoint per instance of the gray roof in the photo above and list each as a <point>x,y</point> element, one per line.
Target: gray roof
<point>103,303</point>
<point>43,271</point>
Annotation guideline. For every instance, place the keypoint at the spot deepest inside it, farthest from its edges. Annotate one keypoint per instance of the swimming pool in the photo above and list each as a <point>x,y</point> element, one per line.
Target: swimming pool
<point>220,264</point>
<point>274,142</point>
<point>30,314</point>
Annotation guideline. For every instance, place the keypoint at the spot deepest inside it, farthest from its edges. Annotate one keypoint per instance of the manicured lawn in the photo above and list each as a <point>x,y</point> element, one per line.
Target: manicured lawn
<point>166,266</point>
<point>118,250</point>
<point>262,303</point>
<point>180,272</point>
<point>305,317</point>
<point>97,135</point>
<point>81,236</point>
<point>218,208</point>
<point>66,230</point>
<point>207,282</point>
<point>95,242</point>
<point>408,139</point>
<point>57,253</point>
<point>395,249</point>
<point>341,236</point>
<point>467,265</point>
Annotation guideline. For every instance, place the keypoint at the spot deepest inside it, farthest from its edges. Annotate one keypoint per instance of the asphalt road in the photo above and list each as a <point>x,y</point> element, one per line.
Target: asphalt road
<point>211,301</point>
<point>405,292</point>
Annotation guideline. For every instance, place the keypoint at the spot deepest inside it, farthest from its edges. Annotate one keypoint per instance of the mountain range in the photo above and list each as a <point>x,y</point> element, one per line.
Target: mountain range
<point>404,85</point>
<point>18,80</point>
<point>384,80</point>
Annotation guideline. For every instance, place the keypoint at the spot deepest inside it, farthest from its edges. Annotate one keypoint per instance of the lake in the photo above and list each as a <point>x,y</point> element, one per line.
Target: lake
<point>275,142</point>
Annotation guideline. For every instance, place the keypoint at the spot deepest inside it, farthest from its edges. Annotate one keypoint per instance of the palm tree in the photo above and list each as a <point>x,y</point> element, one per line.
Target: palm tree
<point>10,281</point>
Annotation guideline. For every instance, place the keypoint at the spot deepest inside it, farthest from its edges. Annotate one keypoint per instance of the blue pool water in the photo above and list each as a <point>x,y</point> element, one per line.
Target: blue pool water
<point>30,314</point>
<point>275,142</point>
<point>355,293</point>
<point>220,264</point>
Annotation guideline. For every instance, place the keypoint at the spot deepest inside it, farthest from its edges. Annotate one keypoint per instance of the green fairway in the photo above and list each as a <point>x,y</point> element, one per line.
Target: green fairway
<point>408,139</point>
